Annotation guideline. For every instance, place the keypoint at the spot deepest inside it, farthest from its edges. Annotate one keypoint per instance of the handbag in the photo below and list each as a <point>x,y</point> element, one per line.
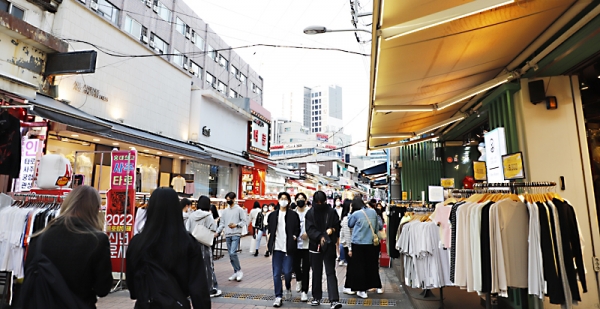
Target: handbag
<point>375,237</point>
<point>204,235</point>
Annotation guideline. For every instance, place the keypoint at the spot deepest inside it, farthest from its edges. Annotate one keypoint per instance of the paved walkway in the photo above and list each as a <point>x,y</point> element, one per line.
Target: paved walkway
<point>256,289</point>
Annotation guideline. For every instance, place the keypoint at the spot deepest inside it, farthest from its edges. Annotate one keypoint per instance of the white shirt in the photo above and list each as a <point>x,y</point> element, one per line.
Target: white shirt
<point>178,184</point>
<point>302,244</point>
<point>281,236</point>
<point>339,211</point>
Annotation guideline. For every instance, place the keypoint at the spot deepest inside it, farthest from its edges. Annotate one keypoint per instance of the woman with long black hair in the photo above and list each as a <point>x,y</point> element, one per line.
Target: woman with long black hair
<point>165,241</point>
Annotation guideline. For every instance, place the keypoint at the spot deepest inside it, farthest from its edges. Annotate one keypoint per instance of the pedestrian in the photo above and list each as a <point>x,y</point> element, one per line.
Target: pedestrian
<point>301,259</point>
<point>271,209</point>
<point>346,241</point>
<point>323,229</point>
<point>260,226</point>
<point>233,219</point>
<point>377,252</point>
<point>337,203</point>
<point>215,214</point>
<point>75,244</point>
<point>186,208</point>
<point>204,217</point>
<point>364,223</point>
<point>165,242</point>
<point>284,230</point>
<point>253,213</point>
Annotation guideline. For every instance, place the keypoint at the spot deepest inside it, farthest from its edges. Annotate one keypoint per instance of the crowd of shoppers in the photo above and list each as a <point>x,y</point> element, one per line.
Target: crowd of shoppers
<point>169,263</point>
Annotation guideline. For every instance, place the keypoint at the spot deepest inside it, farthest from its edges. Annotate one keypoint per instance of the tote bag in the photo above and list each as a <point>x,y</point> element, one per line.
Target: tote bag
<point>203,235</point>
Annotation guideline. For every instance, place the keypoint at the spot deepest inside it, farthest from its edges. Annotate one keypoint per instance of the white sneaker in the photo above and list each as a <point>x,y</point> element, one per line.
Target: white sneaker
<point>348,291</point>
<point>240,275</point>
<point>216,293</point>
<point>233,277</point>
<point>277,302</point>
<point>341,263</point>
<point>379,291</point>
<point>362,294</point>
<point>303,297</point>
<point>287,295</point>
<point>298,286</point>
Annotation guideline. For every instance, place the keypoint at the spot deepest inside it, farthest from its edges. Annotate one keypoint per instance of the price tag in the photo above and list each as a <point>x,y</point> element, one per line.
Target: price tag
<point>479,171</point>
<point>513,166</point>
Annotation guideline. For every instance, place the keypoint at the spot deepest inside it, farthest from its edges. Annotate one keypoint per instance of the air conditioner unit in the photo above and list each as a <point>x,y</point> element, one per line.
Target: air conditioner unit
<point>155,8</point>
<point>145,38</point>
<point>152,44</point>
<point>193,38</point>
<point>185,66</point>
<point>149,3</point>
<point>187,35</point>
<point>94,5</point>
<point>192,71</point>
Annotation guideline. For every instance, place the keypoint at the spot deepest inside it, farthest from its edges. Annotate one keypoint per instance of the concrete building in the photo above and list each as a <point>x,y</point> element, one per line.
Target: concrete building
<point>372,159</point>
<point>326,109</point>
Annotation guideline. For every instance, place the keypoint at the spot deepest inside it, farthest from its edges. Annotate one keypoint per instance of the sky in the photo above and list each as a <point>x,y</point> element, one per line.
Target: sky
<point>243,22</point>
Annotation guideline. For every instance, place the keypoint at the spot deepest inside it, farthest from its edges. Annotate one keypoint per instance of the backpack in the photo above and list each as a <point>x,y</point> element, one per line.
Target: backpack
<point>157,288</point>
<point>45,287</point>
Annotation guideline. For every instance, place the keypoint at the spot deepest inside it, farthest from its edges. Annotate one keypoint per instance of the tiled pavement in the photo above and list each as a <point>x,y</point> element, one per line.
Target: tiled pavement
<point>256,289</point>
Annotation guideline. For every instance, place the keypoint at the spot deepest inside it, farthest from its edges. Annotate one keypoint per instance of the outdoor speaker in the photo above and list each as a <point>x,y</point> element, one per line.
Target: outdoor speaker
<point>537,93</point>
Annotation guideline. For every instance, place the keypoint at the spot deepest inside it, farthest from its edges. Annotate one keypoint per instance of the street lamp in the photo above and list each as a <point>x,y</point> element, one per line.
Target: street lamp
<point>322,29</point>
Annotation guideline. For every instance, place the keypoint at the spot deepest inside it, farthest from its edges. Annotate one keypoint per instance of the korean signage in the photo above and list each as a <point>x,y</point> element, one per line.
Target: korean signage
<point>322,137</point>
<point>31,150</point>
<point>121,201</point>
<point>495,148</point>
<point>259,134</point>
<point>513,166</point>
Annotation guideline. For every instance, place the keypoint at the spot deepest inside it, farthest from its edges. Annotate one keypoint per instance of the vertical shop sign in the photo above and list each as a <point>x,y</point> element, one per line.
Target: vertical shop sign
<point>31,149</point>
<point>495,148</point>
<point>121,201</point>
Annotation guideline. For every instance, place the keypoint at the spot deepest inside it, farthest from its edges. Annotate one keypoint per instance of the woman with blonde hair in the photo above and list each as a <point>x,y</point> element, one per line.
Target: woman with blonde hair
<point>75,244</point>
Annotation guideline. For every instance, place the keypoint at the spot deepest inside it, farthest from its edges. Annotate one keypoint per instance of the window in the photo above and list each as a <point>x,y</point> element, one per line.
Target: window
<point>108,10</point>
<point>198,41</point>
<point>162,11</point>
<point>253,87</point>
<point>158,44</point>
<point>177,58</point>
<point>180,26</point>
<point>258,91</point>
<point>319,94</point>
<point>211,80</point>
<point>224,62</point>
<point>133,27</point>
<point>196,70</point>
<point>212,54</point>
<point>232,94</point>
<point>243,78</point>
<point>13,10</point>
<point>222,87</point>
<point>235,72</point>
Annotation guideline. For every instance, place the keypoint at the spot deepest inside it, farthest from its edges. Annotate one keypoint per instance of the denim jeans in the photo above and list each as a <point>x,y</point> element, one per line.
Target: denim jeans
<point>233,243</point>
<point>259,236</point>
<point>282,263</point>
<point>342,253</point>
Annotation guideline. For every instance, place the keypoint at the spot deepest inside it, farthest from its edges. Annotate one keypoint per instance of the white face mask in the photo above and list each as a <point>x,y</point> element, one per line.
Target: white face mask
<point>338,203</point>
<point>283,203</point>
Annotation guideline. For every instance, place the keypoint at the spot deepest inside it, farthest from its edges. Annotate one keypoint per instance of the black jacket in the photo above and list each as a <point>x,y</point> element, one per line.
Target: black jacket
<point>292,228</point>
<point>190,273</point>
<point>317,223</point>
<point>83,259</point>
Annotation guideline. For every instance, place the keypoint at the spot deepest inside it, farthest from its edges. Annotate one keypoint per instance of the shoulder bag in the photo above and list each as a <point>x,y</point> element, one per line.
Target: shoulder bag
<point>375,237</point>
<point>204,235</point>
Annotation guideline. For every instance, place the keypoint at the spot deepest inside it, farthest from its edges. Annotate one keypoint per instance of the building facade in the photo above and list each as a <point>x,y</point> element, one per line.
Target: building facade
<point>326,109</point>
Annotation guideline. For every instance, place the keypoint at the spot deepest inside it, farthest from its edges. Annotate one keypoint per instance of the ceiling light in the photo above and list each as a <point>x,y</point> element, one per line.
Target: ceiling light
<point>584,88</point>
<point>442,17</point>
<point>393,135</point>
<point>440,124</point>
<point>146,150</point>
<point>85,144</point>
<point>159,153</point>
<point>115,144</point>
<point>64,139</point>
<point>74,135</point>
<point>96,139</point>
<point>170,155</point>
<point>180,157</point>
<point>403,108</point>
<point>477,90</point>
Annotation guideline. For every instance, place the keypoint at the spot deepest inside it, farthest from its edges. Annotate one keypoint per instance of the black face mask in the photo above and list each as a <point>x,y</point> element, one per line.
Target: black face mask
<point>230,202</point>
<point>301,203</point>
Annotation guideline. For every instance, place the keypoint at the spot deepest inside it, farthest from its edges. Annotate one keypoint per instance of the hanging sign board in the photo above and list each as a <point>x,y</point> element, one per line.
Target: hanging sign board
<point>479,171</point>
<point>436,194</point>
<point>513,166</point>
<point>495,148</point>
<point>447,183</point>
<point>405,196</point>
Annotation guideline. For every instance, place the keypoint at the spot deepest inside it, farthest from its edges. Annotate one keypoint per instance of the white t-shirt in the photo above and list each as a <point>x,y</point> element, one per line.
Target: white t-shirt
<point>280,238</point>
<point>178,184</point>
<point>302,244</point>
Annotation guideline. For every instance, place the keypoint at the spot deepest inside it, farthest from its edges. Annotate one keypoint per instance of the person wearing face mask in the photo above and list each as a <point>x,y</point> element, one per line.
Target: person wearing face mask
<point>337,203</point>
<point>233,219</point>
<point>323,229</point>
<point>284,230</point>
<point>186,209</point>
<point>301,260</point>
<point>260,226</point>
<point>270,210</point>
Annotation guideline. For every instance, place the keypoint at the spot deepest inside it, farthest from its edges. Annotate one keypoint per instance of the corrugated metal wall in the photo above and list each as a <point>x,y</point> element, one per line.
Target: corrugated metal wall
<point>502,114</point>
<point>420,168</point>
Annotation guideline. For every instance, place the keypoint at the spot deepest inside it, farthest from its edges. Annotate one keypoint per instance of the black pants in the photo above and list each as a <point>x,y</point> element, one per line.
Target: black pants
<point>366,271</point>
<point>302,268</point>
<point>316,261</point>
<point>349,268</point>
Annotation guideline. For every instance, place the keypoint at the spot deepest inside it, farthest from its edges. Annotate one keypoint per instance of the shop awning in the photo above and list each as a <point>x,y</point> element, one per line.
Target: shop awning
<point>229,157</point>
<point>423,68</point>
<point>375,170</point>
<point>143,138</point>
<point>49,108</point>
<point>283,172</point>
